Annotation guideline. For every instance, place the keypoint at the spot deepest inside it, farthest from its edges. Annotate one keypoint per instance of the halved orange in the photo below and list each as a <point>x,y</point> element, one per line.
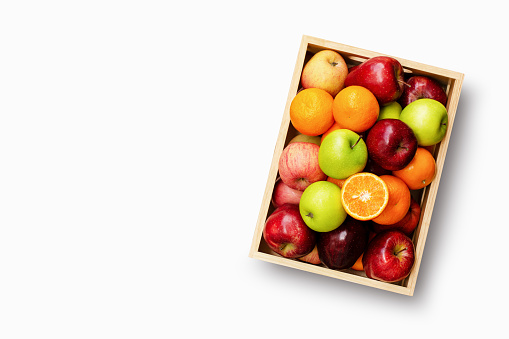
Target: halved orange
<point>364,196</point>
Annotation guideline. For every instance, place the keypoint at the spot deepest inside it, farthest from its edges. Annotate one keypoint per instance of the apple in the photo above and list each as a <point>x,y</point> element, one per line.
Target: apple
<point>358,263</point>
<point>420,87</point>
<point>312,257</point>
<point>406,225</point>
<point>342,153</point>
<point>314,139</point>
<point>326,70</point>
<point>287,234</point>
<point>283,194</point>
<point>391,144</point>
<point>389,257</point>
<point>373,167</point>
<point>298,165</point>
<point>428,119</point>
<point>390,111</point>
<point>339,249</point>
<point>382,75</point>
<point>321,208</point>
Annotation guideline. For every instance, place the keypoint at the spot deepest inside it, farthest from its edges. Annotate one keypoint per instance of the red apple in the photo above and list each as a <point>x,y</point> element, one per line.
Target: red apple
<point>389,257</point>
<point>286,233</point>
<point>382,75</point>
<point>406,225</point>
<point>298,165</point>
<point>373,167</point>
<point>340,248</point>
<point>391,144</point>
<point>420,87</point>
<point>283,194</point>
<point>312,257</point>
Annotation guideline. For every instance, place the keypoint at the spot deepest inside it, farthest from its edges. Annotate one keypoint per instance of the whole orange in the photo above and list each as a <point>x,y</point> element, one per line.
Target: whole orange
<point>420,171</point>
<point>399,201</point>
<point>311,111</point>
<point>355,108</point>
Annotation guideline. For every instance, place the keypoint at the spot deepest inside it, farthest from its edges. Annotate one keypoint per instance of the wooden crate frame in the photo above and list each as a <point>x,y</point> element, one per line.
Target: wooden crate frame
<point>451,82</point>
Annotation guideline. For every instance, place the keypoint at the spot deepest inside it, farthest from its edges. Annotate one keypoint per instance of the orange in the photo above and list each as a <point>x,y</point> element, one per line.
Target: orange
<point>338,182</point>
<point>364,195</point>
<point>358,264</point>
<point>420,171</point>
<point>399,201</point>
<point>311,111</point>
<point>334,127</point>
<point>356,108</point>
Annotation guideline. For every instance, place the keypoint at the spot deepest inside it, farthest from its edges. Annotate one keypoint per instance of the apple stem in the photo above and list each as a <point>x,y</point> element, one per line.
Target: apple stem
<point>398,252</point>
<point>356,142</point>
<point>309,215</point>
<point>404,83</point>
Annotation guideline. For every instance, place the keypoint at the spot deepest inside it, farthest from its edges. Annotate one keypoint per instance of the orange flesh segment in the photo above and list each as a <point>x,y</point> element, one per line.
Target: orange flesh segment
<point>364,196</point>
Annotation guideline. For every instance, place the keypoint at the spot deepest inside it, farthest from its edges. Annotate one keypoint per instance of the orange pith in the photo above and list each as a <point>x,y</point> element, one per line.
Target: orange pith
<point>364,196</point>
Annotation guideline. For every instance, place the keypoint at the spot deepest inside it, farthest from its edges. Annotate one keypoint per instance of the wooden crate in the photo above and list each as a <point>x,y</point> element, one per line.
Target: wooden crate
<point>451,82</point>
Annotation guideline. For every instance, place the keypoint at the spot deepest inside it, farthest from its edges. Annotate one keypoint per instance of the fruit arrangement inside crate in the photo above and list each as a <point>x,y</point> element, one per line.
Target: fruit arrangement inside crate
<point>357,165</point>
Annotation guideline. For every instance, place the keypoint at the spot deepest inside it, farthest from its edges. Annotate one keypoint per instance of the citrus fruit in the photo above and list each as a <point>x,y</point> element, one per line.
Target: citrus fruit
<point>338,182</point>
<point>311,111</point>
<point>399,201</point>
<point>364,196</point>
<point>358,264</point>
<point>420,171</point>
<point>355,108</point>
<point>334,127</point>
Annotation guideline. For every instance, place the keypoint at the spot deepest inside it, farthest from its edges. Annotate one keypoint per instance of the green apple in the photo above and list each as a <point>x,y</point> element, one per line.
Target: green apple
<point>342,153</point>
<point>390,111</point>
<point>428,120</point>
<point>321,208</point>
<point>306,138</point>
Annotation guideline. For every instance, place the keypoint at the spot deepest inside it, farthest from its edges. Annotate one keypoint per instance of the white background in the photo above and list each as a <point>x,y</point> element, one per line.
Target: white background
<point>135,143</point>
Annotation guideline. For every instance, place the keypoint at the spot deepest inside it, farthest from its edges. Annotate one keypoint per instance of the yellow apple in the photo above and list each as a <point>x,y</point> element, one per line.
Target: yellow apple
<point>326,70</point>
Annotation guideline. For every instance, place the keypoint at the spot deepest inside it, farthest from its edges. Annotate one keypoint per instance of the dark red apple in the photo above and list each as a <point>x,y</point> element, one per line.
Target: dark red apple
<point>406,225</point>
<point>389,257</point>
<point>373,167</point>
<point>340,248</point>
<point>422,87</point>
<point>391,144</point>
<point>382,75</point>
<point>286,233</point>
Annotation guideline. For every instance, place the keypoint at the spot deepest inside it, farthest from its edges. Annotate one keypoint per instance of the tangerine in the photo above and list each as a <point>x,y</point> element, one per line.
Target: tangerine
<point>334,127</point>
<point>420,172</point>
<point>399,201</point>
<point>355,108</point>
<point>311,111</point>
<point>364,195</point>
